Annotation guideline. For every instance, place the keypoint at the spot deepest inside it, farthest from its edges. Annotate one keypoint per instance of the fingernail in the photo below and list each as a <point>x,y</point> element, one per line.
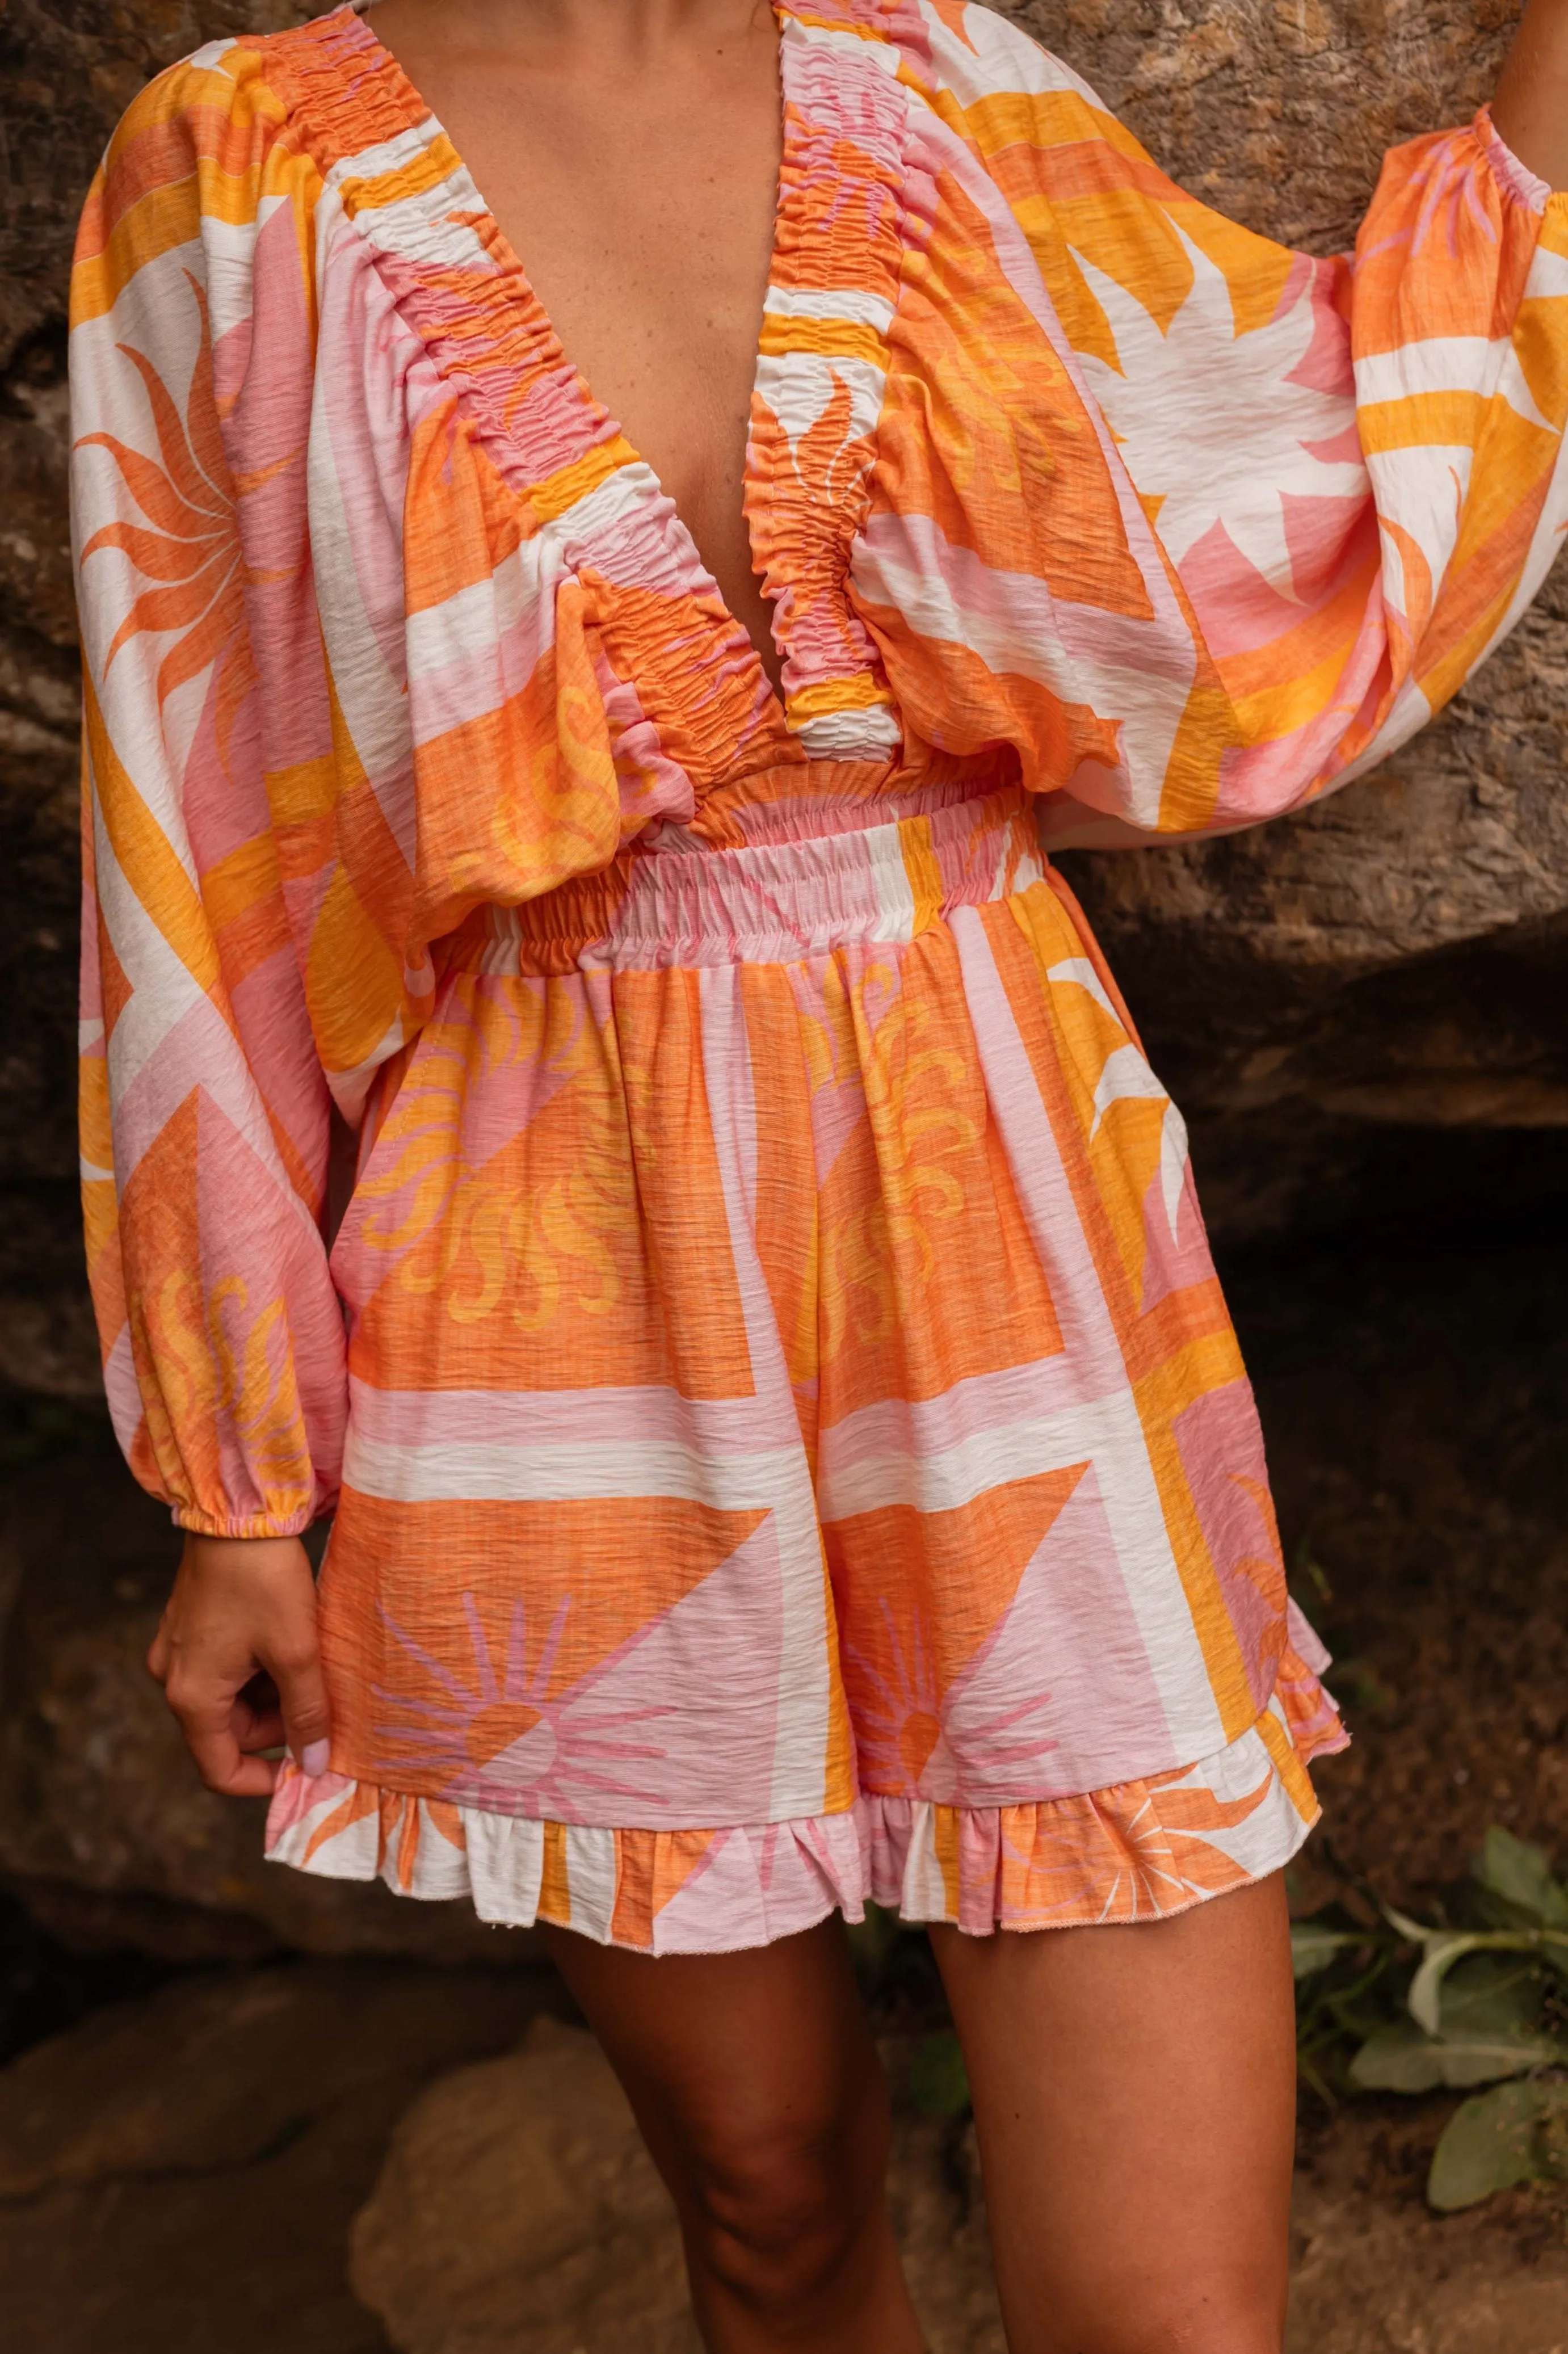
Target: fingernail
<point>315,1757</point>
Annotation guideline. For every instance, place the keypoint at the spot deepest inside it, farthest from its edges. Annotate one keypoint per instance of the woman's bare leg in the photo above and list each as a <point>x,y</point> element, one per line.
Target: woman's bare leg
<point>1135,2095</point>
<point>758,2090</point>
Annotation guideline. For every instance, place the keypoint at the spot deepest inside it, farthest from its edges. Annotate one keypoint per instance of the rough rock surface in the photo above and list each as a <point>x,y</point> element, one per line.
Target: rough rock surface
<point>518,2206</point>
<point>105,1831</point>
<point>1394,959</point>
<point>181,2172</point>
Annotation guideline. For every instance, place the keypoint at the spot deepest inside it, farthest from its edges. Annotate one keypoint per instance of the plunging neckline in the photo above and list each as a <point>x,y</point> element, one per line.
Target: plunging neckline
<point>608,425</point>
<point>686,676</point>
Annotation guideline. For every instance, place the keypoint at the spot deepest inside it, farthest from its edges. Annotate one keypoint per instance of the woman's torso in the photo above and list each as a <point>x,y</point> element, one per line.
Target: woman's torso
<point>1052,477</point>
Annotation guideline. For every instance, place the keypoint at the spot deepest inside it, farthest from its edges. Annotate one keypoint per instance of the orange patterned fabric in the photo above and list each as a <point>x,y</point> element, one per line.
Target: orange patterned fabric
<point>787,1441</point>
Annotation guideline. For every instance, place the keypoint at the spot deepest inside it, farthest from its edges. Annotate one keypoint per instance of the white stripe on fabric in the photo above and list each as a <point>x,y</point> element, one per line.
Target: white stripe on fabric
<point>1079,970</point>
<point>563,1473</point>
<point>851,735</point>
<point>1124,1074</point>
<point>1101,1431</point>
<point>364,648</point>
<point>1446,364</point>
<point>985,54</point>
<point>799,387</point>
<point>507,1866</point>
<point>613,1416</point>
<point>475,620</point>
<point>591,1873</point>
<point>1547,275</point>
<point>393,154</point>
<point>1130,1494</point>
<point>870,49</point>
<point>832,303</point>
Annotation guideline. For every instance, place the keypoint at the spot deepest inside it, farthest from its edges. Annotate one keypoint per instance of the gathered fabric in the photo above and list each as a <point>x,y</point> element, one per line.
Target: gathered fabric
<point>787,1441</point>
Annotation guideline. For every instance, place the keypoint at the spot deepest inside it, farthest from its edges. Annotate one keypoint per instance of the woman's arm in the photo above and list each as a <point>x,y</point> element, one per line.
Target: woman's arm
<point>1341,480</point>
<point>204,1109</point>
<point>1531,108</point>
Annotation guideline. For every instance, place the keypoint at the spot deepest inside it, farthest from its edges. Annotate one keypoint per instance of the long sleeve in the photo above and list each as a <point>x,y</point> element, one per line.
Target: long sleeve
<point>1349,472</point>
<point>205,1111</point>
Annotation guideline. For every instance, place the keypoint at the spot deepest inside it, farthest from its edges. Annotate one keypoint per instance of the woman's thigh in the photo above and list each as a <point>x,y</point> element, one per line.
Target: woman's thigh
<point>1135,2097</point>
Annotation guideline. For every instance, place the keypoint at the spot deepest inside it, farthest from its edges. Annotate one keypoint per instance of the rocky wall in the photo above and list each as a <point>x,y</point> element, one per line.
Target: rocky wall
<point>1377,983</point>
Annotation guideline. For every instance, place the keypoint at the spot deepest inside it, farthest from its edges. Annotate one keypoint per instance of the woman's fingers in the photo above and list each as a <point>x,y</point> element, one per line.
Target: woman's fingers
<point>208,1724</point>
<point>296,1669</point>
<point>258,1718</point>
<point>158,1655</point>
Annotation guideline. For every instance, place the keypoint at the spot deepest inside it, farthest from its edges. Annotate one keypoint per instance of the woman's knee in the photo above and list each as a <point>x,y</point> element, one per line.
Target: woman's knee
<point>1222,2314</point>
<point>777,2210</point>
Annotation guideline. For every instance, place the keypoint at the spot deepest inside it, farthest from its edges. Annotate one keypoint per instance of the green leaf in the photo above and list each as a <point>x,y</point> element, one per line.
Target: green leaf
<point>1493,1993</point>
<point>1489,2026</point>
<point>938,2081</point>
<point>1401,2058</point>
<point>1442,1948</point>
<point>1510,1868</point>
<point>1313,1947</point>
<point>1489,2144</point>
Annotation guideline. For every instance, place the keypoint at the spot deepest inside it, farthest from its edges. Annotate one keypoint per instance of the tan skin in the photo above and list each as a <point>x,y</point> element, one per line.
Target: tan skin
<point>1134,2086</point>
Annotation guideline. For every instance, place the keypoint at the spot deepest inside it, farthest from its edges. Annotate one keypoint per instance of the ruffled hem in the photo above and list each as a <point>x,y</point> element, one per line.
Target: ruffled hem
<point>1138,1851</point>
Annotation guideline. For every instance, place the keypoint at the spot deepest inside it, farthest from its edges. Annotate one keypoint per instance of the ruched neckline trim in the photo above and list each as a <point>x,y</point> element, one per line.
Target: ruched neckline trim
<point>667,638</point>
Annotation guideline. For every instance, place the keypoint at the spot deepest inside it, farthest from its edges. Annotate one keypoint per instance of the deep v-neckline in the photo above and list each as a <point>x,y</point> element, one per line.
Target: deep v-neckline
<point>609,427</point>
<point>686,687</point>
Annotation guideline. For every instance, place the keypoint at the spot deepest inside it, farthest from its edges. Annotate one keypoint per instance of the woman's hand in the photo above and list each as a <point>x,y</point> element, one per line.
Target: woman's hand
<point>1531,108</point>
<point>239,1659</point>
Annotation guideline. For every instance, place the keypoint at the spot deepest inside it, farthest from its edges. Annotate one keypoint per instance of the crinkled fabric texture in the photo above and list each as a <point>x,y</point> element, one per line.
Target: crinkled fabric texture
<point>786,1440</point>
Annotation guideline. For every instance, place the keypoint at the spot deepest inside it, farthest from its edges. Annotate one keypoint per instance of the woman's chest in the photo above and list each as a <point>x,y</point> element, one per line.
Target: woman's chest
<point>643,206</point>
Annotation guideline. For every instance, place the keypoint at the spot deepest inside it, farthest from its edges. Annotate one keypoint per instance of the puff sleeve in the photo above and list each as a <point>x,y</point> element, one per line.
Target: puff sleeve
<point>205,1111</point>
<point>1348,470</point>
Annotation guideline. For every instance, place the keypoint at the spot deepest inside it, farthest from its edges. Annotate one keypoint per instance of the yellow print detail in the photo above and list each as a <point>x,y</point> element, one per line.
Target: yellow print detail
<point>506,1079</point>
<point>913,1082</point>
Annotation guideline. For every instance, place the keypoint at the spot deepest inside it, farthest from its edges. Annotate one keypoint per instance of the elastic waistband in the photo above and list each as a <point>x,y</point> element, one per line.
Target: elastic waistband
<point>766,903</point>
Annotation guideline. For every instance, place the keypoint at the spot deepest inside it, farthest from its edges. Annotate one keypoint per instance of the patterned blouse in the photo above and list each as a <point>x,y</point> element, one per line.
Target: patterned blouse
<point>767,1241</point>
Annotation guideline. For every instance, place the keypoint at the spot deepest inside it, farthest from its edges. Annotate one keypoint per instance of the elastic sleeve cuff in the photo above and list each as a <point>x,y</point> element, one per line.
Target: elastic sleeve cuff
<point>1516,179</point>
<point>258,1524</point>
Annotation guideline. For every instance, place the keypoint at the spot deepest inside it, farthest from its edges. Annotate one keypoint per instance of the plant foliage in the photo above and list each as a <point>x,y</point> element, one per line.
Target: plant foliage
<point>1482,2001</point>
